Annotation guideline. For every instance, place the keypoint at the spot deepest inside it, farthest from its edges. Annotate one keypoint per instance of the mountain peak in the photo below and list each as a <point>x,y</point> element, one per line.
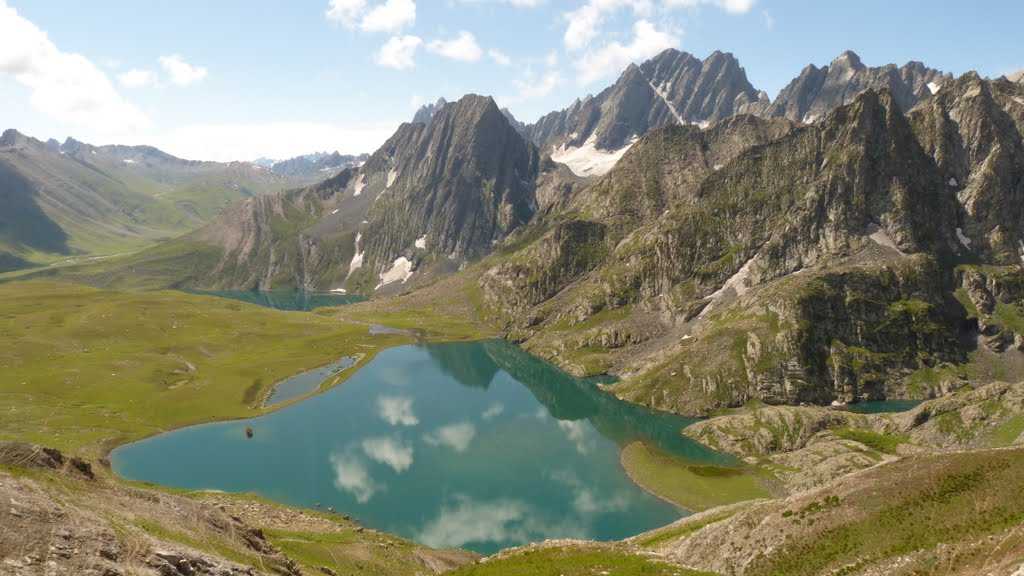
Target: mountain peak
<point>11,137</point>
<point>848,59</point>
<point>427,111</point>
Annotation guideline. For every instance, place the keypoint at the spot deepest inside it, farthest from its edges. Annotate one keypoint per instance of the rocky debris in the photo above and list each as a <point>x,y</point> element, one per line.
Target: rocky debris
<point>769,430</point>
<point>26,455</point>
<point>966,419</point>
<point>173,563</point>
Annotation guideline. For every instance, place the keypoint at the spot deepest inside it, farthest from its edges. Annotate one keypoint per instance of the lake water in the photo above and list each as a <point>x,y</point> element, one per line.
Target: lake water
<point>883,406</point>
<point>302,384</point>
<point>285,300</point>
<point>474,445</point>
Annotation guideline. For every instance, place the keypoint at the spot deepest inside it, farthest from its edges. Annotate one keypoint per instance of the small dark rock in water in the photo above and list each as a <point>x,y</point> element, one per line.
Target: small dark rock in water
<point>248,432</point>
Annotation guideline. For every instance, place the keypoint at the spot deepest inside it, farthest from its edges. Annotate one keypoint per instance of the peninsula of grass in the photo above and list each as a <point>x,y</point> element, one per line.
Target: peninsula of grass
<point>83,370</point>
<point>694,487</point>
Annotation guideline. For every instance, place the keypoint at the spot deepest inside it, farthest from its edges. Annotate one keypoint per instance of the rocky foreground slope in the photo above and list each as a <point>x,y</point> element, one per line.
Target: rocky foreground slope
<point>61,517</point>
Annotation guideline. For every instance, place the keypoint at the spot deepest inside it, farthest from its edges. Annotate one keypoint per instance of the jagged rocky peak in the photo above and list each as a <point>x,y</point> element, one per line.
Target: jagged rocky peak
<point>454,186</point>
<point>816,91</point>
<point>11,138</point>
<point>427,111</point>
<point>674,87</point>
<point>1017,76</point>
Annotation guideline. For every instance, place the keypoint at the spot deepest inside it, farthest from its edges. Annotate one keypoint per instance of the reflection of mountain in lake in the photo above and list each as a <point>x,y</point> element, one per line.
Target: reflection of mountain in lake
<point>465,364</point>
<point>569,398</point>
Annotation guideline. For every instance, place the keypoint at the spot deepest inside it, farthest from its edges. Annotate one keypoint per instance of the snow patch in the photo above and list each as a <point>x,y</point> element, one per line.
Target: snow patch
<point>360,185</point>
<point>421,242</point>
<point>357,258</point>
<point>339,291</point>
<point>392,176</point>
<point>737,283</point>
<point>1022,251</point>
<point>810,118</point>
<point>664,98</point>
<point>128,161</point>
<point>718,167</point>
<point>963,238</point>
<point>934,87</point>
<point>588,160</point>
<point>400,271</point>
<point>333,212</point>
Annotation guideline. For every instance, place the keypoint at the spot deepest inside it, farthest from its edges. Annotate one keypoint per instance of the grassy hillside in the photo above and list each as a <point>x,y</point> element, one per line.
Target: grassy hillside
<point>84,369</point>
<point>62,203</point>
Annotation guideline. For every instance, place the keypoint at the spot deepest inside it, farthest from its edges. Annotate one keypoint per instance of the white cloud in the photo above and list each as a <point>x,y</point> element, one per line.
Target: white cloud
<point>454,436</point>
<point>351,475</point>
<point>345,11</point>
<point>396,410</point>
<point>499,57</point>
<point>390,16</point>
<point>500,521</point>
<point>611,58</point>
<point>585,22</point>
<point>470,521</point>
<point>577,433</point>
<point>731,6</point>
<point>64,86</point>
<point>493,411</point>
<point>462,47</point>
<point>399,52</point>
<point>181,72</point>
<point>769,20</point>
<point>136,78</point>
<point>228,142</point>
<point>389,451</point>
<point>532,86</point>
<point>386,16</point>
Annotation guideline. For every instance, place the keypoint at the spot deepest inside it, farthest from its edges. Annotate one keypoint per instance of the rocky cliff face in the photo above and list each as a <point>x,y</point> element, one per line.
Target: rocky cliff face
<point>672,88</point>
<point>816,91</point>
<point>759,260</point>
<point>432,197</point>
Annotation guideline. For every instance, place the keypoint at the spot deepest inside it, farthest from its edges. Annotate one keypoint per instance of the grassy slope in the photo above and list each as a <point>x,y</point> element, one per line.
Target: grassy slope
<point>589,560</point>
<point>82,369</point>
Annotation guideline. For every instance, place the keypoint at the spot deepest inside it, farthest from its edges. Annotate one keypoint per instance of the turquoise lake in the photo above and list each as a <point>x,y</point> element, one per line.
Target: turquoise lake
<point>472,445</point>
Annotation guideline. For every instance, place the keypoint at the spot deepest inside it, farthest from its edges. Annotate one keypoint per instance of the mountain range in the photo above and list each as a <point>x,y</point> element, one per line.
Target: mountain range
<point>74,199</point>
<point>857,238</point>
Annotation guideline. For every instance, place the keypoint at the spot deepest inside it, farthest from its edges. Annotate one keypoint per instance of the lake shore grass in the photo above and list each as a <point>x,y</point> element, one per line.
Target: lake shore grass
<point>690,486</point>
<point>85,370</point>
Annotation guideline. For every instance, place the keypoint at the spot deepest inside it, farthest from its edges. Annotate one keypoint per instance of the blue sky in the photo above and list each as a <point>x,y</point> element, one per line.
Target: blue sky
<point>238,79</point>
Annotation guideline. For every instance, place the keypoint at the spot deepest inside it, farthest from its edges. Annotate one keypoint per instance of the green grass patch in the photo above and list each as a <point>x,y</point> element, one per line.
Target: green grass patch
<point>884,443</point>
<point>86,369</point>
<point>691,486</point>
<point>1006,433</point>
<point>677,532</point>
<point>918,504</point>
